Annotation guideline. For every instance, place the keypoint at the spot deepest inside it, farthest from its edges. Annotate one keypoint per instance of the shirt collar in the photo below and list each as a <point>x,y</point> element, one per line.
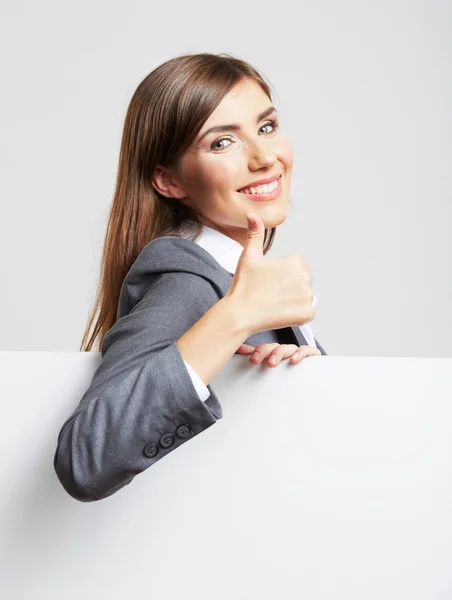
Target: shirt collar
<point>224,249</point>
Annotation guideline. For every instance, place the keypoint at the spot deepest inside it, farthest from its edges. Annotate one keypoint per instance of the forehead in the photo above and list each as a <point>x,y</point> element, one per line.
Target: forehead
<point>245,100</point>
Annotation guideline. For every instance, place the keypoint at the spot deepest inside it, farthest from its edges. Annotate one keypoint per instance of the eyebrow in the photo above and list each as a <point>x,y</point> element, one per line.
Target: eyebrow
<point>235,126</point>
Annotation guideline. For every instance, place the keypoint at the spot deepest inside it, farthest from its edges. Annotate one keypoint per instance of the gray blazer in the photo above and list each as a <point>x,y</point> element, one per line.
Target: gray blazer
<point>141,403</point>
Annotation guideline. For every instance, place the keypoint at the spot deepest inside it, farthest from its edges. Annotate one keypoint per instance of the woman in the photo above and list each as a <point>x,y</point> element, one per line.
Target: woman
<point>184,281</point>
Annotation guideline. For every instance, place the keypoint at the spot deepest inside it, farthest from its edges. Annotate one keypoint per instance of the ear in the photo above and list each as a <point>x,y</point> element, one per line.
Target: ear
<point>166,183</point>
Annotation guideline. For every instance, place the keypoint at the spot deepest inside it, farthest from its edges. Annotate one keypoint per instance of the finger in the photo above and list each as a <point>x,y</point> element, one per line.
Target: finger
<point>262,351</point>
<point>245,349</point>
<point>303,352</point>
<point>279,353</point>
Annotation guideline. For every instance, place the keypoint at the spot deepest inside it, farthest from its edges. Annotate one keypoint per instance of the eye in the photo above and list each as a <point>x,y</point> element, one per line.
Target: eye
<point>272,122</point>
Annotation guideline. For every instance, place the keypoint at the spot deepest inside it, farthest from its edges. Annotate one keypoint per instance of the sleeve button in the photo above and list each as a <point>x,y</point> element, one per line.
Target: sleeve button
<point>183,431</point>
<point>166,440</point>
<point>150,450</point>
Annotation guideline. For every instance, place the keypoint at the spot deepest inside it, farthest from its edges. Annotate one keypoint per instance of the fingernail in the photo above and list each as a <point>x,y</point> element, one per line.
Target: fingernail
<point>295,355</point>
<point>255,355</point>
<point>272,358</point>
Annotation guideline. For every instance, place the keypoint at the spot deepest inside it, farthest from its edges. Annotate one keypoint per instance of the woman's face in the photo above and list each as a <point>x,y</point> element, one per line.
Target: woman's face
<point>218,164</point>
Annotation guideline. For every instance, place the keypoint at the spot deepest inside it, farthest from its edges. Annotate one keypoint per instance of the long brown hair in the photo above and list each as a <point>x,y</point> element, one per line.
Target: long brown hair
<point>165,114</point>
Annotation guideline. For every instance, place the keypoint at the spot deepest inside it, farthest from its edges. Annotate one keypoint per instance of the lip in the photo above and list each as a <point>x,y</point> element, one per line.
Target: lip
<point>263,197</point>
<point>260,182</point>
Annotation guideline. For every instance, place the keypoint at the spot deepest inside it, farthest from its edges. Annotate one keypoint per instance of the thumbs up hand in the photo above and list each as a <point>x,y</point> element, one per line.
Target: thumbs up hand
<point>272,292</point>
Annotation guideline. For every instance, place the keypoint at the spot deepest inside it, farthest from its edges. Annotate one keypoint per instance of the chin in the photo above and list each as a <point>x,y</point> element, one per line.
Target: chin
<point>273,217</point>
<point>269,223</point>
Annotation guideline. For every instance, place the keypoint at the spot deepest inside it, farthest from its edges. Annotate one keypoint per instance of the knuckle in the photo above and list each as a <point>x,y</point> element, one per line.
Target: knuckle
<point>296,261</point>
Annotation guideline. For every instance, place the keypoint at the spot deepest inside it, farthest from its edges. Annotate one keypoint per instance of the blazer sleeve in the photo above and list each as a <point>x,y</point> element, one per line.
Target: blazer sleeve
<point>141,403</point>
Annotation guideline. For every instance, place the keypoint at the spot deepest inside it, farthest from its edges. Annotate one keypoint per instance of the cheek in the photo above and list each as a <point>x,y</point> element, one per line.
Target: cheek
<point>220,176</point>
<point>286,154</point>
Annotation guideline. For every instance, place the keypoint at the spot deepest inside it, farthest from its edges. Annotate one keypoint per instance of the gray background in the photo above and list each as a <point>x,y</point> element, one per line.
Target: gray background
<point>364,94</point>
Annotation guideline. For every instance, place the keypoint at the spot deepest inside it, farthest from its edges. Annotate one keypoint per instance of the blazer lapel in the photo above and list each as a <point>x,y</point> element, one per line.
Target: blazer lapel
<point>322,351</point>
<point>299,337</point>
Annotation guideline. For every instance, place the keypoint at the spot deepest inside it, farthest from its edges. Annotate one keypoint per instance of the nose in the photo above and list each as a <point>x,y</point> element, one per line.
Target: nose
<point>261,155</point>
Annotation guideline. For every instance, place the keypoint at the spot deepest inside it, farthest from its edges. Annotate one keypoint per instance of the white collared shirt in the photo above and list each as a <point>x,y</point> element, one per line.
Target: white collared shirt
<point>226,252</point>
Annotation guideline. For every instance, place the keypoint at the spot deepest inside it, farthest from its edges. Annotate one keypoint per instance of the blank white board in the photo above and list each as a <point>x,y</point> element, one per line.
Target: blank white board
<point>330,479</point>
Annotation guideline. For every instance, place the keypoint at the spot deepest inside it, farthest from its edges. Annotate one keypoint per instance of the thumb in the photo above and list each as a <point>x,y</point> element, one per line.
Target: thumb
<point>253,249</point>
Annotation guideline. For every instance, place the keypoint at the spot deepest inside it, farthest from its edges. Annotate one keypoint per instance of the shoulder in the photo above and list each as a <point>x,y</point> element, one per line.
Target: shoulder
<point>162,312</point>
<point>175,254</point>
<point>175,269</point>
<point>180,289</point>
<point>179,245</point>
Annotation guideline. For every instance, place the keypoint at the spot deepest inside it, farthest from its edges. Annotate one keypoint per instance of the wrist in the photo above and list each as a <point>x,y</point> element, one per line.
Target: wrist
<point>237,315</point>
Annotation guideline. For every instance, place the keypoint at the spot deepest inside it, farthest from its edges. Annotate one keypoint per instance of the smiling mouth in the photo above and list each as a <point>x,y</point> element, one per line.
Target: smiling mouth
<point>271,195</point>
<point>271,185</point>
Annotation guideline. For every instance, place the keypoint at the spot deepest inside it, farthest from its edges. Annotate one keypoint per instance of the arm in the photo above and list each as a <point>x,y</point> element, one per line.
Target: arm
<point>141,403</point>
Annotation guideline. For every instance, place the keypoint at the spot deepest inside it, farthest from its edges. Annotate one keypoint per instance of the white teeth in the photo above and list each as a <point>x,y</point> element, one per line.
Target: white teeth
<point>262,189</point>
